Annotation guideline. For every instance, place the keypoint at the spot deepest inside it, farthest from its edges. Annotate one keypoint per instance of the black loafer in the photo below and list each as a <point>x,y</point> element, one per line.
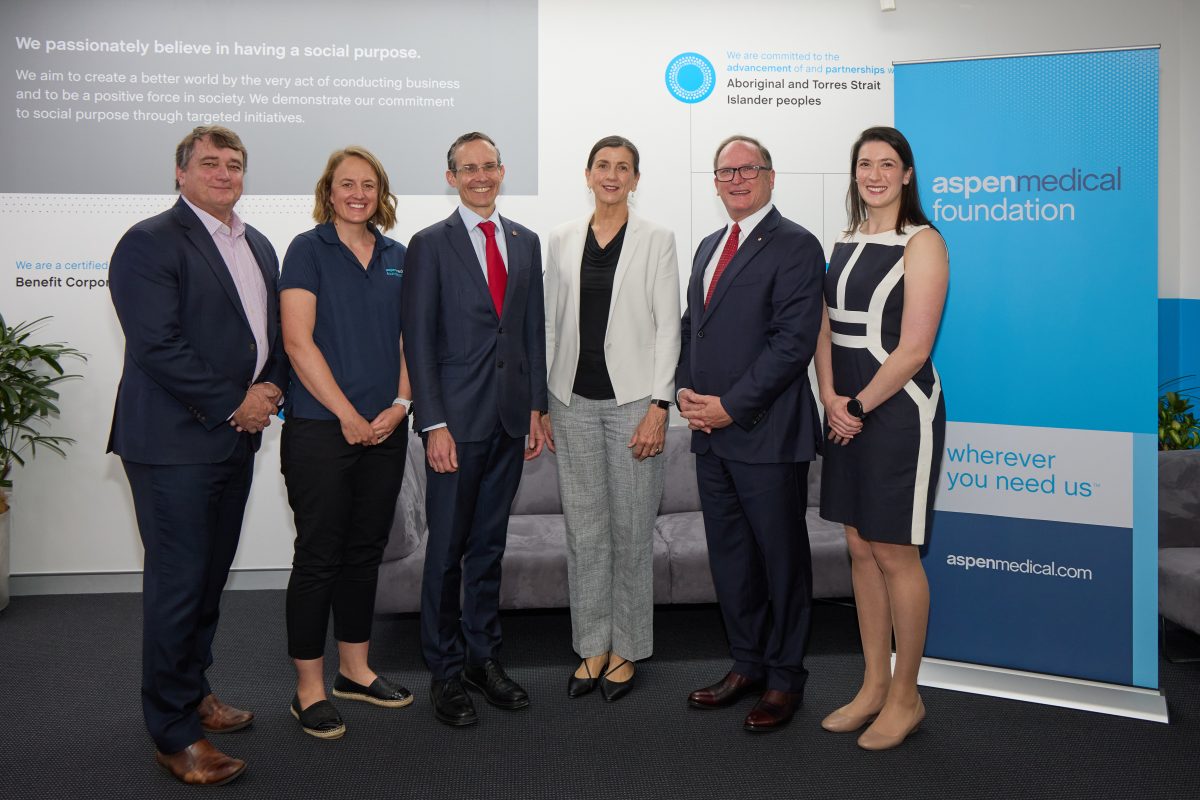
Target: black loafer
<point>320,719</point>
<point>498,689</point>
<point>380,693</point>
<point>451,703</point>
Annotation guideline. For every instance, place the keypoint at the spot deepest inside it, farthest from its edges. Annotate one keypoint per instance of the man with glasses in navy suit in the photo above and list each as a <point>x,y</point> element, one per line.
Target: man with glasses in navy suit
<point>475,345</point>
<point>749,332</point>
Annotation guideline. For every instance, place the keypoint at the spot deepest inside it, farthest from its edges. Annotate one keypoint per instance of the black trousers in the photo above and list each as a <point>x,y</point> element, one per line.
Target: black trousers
<point>190,518</point>
<point>343,498</point>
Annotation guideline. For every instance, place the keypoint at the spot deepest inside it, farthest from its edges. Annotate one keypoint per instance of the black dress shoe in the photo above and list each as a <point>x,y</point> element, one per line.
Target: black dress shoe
<point>726,692</point>
<point>578,687</point>
<point>498,689</point>
<point>451,704</point>
<point>381,692</point>
<point>320,719</point>
<point>773,710</point>
<point>615,690</point>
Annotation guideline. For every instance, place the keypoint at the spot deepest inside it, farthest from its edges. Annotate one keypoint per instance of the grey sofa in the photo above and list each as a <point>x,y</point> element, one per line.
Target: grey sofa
<point>535,561</point>
<point>1179,537</point>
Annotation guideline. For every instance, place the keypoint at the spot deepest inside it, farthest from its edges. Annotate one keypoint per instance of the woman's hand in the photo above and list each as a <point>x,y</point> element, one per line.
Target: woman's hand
<point>651,434</point>
<point>356,430</point>
<point>387,421</point>
<point>843,426</point>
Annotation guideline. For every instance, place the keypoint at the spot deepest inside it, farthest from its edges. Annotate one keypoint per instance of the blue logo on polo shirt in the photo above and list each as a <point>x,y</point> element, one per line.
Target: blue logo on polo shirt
<point>394,273</point>
<point>690,77</point>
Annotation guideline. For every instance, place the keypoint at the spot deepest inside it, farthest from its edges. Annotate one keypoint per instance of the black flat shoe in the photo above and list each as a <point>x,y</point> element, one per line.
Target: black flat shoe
<point>381,692</point>
<point>320,719</point>
<point>451,704</point>
<point>615,690</point>
<point>578,687</point>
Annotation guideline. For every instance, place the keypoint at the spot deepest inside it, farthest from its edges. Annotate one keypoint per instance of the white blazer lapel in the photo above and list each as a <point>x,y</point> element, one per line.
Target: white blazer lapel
<point>628,253</point>
<point>572,265</point>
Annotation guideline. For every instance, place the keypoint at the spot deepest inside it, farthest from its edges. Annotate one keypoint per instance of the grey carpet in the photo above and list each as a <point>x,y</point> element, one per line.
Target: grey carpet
<point>70,723</point>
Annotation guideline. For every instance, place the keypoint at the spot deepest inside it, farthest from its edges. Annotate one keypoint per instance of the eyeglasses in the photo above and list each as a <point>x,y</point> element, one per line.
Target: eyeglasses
<point>748,172</point>
<point>490,168</point>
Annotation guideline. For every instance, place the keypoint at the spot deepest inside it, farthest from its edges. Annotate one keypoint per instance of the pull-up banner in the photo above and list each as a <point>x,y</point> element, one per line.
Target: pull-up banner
<point>1041,173</point>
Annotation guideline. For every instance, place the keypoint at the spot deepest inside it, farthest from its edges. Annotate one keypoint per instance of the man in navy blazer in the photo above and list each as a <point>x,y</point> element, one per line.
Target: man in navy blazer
<point>194,289</point>
<point>474,341</point>
<point>749,332</point>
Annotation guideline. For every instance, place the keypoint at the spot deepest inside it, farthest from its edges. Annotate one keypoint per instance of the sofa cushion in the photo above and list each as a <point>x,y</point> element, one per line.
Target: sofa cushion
<point>814,484</point>
<point>830,557</point>
<point>535,562</point>
<point>1179,498</point>
<point>687,550</point>
<point>538,492</point>
<point>408,523</point>
<point>1179,586</point>
<point>679,490</point>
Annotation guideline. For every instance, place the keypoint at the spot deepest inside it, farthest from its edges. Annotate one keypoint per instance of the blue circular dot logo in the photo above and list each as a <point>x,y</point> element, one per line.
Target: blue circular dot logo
<point>690,77</point>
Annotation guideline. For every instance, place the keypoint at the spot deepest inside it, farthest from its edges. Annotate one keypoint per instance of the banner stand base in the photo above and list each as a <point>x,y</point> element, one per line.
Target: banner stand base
<point>1052,690</point>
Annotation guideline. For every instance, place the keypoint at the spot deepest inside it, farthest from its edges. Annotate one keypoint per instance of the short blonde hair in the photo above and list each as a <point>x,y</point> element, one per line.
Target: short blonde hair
<point>385,212</point>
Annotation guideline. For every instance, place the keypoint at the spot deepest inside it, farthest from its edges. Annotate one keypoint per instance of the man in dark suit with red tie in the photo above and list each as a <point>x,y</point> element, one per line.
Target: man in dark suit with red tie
<point>194,289</point>
<point>474,341</point>
<point>749,332</point>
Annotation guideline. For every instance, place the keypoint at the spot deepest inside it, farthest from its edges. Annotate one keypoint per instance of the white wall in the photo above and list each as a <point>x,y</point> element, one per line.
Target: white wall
<point>601,72</point>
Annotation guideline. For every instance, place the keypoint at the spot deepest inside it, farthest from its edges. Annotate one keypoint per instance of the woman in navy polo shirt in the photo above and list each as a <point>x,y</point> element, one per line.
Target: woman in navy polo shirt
<point>346,430</point>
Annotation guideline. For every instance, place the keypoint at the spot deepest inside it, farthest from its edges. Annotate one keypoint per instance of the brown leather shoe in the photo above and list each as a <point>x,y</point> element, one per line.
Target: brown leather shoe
<point>216,717</point>
<point>201,764</point>
<point>773,710</point>
<point>729,690</point>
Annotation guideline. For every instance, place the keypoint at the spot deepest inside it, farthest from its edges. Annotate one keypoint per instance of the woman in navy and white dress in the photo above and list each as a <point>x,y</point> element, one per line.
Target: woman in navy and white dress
<point>886,421</point>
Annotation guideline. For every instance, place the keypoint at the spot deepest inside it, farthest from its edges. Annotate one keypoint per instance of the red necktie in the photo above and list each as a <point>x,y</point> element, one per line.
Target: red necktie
<point>727,253</point>
<point>497,275</point>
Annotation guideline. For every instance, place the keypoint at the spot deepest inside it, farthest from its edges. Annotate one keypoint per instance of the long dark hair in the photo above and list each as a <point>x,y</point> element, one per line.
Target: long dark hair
<point>911,212</point>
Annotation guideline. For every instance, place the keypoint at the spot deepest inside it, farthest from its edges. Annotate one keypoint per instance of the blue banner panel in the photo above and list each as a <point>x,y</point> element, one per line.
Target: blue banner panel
<point>1048,597</point>
<point>1041,172</point>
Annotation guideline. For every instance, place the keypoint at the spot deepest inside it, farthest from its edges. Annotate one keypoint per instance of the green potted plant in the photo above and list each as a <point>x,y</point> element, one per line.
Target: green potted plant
<point>28,374</point>
<point>1178,428</point>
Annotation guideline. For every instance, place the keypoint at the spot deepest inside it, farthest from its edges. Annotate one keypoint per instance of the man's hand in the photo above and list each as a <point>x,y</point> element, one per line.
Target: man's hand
<point>688,401</point>
<point>537,436</point>
<point>256,409</point>
<point>703,412</point>
<point>440,450</point>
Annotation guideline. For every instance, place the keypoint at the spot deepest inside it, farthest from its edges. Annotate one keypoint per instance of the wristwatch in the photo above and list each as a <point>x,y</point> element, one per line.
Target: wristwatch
<point>665,405</point>
<point>854,408</point>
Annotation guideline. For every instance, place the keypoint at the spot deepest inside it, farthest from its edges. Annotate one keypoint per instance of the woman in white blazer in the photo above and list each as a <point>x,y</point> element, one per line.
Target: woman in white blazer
<point>612,343</point>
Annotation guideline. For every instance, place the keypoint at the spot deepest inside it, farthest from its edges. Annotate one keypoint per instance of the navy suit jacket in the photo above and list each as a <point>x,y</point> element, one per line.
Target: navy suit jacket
<point>467,365</point>
<point>752,345</point>
<point>189,350</point>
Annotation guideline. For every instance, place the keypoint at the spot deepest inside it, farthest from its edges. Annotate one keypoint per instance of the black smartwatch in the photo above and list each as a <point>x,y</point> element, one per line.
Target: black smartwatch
<point>854,408</point>
<point>665,405</point>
